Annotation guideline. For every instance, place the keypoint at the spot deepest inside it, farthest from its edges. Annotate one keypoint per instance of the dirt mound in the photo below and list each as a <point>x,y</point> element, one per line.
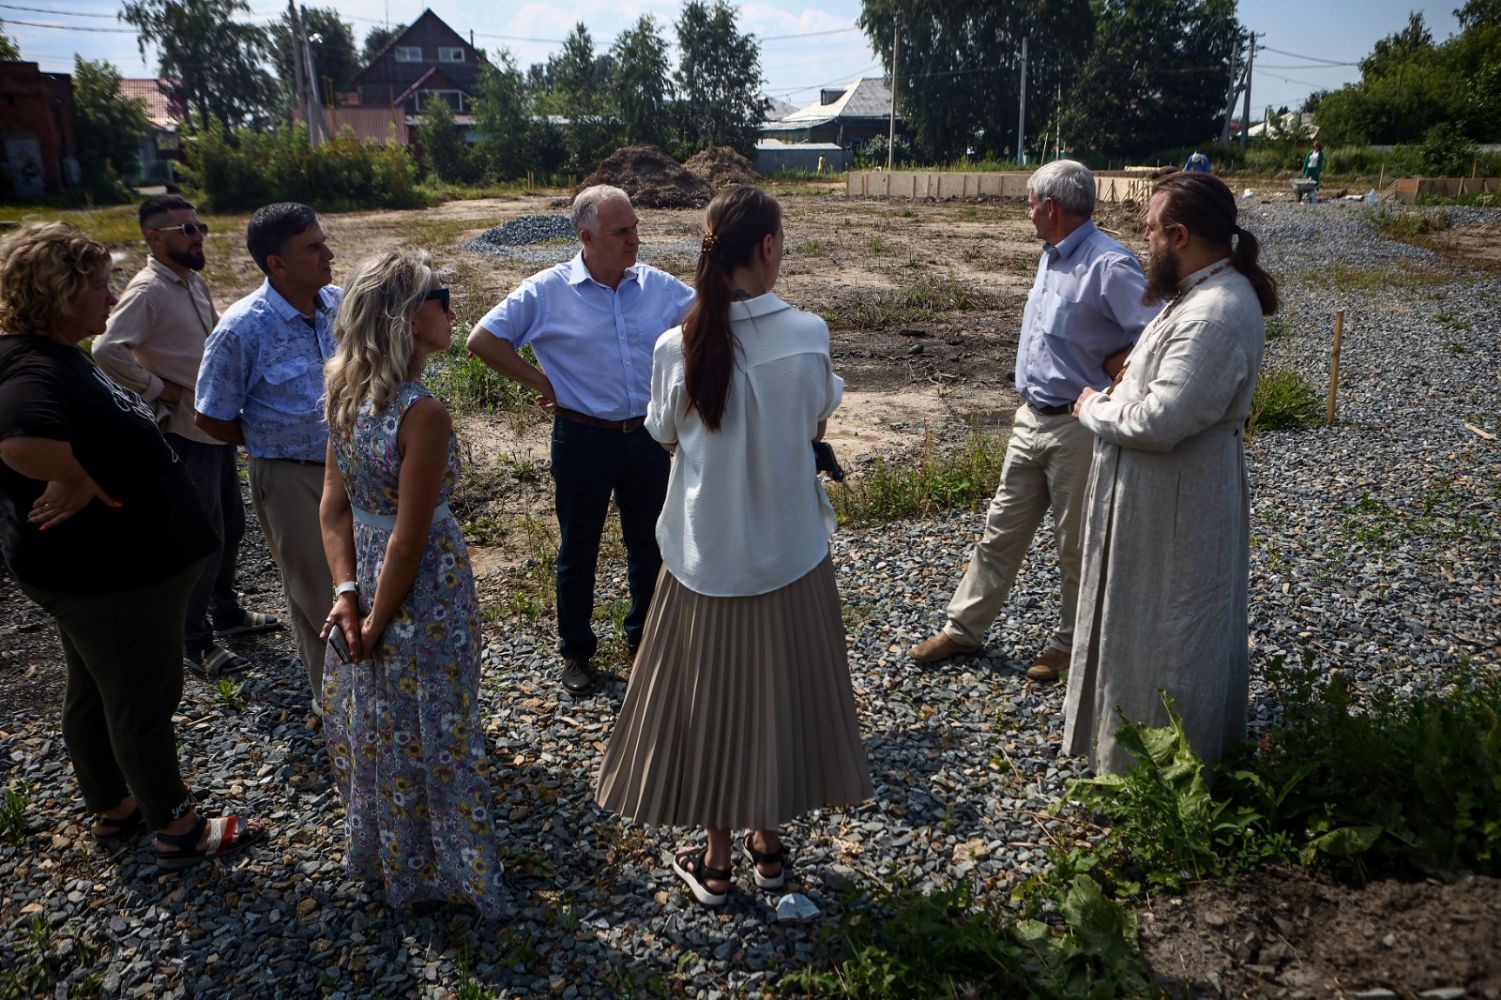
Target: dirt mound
<point>652,179</point>
<point>721,166</point>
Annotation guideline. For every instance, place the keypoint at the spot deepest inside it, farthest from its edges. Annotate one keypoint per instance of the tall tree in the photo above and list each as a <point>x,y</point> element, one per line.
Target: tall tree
<point>642,84</point>
<point>718,80</point>
<point>581,85</point>
<point>1479,14</point>
<point>377,38</point>
<point>443,146</point>
<point>959,67</point>
<point>335,58</point>
<point>219,60</point>
<point>9,50</point>
<point>114,125</point>
<point>1156,76</point>
<point>501,120</point>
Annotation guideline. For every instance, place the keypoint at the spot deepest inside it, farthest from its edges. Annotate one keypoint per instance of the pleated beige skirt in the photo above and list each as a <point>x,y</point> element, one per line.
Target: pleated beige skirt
<point>739,711</point>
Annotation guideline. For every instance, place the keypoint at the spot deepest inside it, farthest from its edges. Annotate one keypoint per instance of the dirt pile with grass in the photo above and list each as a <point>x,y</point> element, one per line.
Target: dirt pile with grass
<point>652,179</point>
<point>722,167</point>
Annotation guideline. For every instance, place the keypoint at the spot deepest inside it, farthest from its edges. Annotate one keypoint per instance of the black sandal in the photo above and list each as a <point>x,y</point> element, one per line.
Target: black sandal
<point>108,832</point>
<point>759,858</point>
<point>692,869</point>
<point>229,835</point>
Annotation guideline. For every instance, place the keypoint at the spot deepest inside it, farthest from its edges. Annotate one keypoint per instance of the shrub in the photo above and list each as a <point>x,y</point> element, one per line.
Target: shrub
<point>251,169</point>
<point>1283,400</point>
<point>928,481</point>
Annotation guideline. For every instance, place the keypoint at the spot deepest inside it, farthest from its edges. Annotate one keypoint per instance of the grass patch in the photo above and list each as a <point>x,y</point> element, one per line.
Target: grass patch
<point>13,825</point>
<point>1355,278</point>
<point>918,485</point>
<point>468,385</point>
<point>1406,224</point>
<point>1283,400</point>
<point>919,299</point>
<point>813,247</point>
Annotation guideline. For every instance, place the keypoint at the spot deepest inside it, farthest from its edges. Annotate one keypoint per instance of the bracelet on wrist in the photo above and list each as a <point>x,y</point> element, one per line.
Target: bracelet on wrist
<point>347,587</point>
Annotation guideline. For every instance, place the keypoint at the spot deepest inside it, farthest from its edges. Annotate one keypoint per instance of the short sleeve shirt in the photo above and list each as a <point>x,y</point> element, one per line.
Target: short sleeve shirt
<point>264,365</point>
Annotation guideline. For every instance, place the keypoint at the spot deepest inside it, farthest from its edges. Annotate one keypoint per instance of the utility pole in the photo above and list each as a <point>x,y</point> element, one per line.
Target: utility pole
<point>1245,114</point>
<point>1230,99</point>
<point>295,32</point>
<point>316,132</point>
<point>1021,114</point>
<point>896,41</point>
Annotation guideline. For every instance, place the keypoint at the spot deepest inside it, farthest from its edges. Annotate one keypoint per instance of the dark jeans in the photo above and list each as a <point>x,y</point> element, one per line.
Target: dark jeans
<point>212,469</point>
<point>124,657</point>
<point>588,465</point>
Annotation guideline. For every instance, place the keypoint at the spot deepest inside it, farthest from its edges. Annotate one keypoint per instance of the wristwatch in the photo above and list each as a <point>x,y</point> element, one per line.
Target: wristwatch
<point>347,587</point>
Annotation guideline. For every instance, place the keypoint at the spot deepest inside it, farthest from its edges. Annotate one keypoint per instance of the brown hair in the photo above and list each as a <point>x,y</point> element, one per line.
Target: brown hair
<point>43,267</point>
<point>1202,204</point>
<point>735,222</point>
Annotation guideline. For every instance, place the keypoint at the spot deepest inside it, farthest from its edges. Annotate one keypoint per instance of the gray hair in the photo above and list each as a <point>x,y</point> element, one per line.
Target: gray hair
<point>585,212</point>
<point>1068,182</point>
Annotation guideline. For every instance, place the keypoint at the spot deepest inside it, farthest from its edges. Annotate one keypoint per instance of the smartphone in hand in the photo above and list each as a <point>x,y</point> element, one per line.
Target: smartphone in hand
<point>337,644</point>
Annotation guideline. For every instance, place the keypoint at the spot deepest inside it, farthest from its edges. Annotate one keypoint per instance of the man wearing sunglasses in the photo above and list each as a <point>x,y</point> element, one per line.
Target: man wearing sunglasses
<point>153,344</point>
<point>261,385</point>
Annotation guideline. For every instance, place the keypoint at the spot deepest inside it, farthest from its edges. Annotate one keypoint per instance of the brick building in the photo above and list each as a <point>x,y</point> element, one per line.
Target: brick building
<point>38,124</point>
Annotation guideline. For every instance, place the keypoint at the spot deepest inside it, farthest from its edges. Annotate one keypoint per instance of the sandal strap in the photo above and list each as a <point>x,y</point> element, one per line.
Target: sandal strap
<point>184,841</point>
<point>777,857</point>
<point>124,822</point>
<point>697,862</point>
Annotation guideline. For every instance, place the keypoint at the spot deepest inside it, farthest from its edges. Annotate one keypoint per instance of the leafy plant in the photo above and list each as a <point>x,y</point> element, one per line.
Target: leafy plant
<point>1282,400</point>
<point>231,692</point>
<point>917,485</point>
<point>13,825</point>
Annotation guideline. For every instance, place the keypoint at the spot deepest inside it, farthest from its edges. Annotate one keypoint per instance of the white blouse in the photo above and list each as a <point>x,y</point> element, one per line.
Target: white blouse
<point>745,513</point>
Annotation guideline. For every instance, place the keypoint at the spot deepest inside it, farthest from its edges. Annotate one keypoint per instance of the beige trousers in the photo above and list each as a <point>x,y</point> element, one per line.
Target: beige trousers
<point>286,497</point>
<point>1047,465</point>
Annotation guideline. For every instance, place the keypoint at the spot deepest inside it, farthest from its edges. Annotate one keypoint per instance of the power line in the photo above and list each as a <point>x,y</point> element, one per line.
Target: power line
<point>50,10</point>
<point>73,27</point>
<point>1316,59</point>
<point>811,34</point>
<point>1330,66</point>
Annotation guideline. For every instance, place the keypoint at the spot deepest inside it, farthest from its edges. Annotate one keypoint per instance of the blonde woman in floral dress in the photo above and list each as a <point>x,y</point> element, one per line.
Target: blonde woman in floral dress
<point>402,713</point>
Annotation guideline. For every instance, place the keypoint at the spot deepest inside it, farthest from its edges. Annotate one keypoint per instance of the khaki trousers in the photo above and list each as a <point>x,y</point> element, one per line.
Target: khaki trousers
<point>286,497</point>
<point>1047,466</point>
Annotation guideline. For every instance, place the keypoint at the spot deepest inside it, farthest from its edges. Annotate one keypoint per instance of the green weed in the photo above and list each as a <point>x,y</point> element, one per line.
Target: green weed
<point>918,299</point>
<point>1356,278</point>
<point>813,247</point>
<point>918,485</point>
<point>13,825</point>
<point>1283,400</point>
<point>468,385</point>
<point>231,692</point>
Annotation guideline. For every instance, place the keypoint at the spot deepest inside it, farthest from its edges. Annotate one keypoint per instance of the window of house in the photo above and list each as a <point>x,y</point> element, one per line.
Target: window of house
<point>450,55</point>
<point>455,99</point>
<point>408,53</point>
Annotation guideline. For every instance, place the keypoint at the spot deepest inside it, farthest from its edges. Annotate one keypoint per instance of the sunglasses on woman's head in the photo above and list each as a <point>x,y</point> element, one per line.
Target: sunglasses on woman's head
<point>441,294</point>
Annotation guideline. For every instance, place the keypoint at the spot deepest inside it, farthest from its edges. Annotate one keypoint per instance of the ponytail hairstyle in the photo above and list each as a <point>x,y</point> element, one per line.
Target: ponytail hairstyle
<point>374,334</point>
<point>734,224</point>
<point>1203,205</point>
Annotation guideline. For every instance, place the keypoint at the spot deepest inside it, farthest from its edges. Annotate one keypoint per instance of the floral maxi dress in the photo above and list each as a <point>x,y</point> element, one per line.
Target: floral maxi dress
<point>404,727</point>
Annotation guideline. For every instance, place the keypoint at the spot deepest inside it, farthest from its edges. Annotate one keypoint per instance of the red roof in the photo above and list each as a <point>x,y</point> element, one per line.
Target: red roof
<point>163,110</point>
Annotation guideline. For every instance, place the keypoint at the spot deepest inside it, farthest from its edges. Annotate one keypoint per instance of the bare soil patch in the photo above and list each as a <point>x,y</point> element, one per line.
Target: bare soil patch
<point>1290,934</point>
<point>721,166</point>
<point>1478,244</point>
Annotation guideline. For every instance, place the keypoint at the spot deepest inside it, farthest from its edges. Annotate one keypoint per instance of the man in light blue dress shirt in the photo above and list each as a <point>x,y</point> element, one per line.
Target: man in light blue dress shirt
<point>1082,316</point>
<point>261,385</point>
<point>592,323</point>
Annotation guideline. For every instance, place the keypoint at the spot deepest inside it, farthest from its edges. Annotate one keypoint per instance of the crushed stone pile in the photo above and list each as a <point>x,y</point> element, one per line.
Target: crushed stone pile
<point>652,179</point>
<point>722,167</point>
<point>522,231</point>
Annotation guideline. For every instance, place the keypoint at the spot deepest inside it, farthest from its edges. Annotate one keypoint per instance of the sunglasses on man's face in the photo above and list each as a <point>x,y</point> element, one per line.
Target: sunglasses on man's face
<point>441,294</point>
<point>189,229</point>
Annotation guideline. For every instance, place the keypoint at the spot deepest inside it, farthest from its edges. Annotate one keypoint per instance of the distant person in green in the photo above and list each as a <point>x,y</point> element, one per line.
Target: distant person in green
<point>1313,163</point>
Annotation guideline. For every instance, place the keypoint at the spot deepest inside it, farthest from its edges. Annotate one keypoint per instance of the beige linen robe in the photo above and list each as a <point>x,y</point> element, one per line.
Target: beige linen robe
<point>1162,602</point>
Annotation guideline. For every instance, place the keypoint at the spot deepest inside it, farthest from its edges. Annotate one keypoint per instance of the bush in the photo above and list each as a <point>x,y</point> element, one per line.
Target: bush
<point>251,169</point>
<point>1283,400</point>
<point>916,486</point>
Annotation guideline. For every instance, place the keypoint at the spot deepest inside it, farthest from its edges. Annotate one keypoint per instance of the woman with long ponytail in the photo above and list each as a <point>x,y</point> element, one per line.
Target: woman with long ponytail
<point>739,713</point>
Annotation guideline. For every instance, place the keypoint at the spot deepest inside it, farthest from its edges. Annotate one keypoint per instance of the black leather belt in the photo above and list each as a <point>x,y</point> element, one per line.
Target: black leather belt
<point>1050,411</point>
<point>625,426</point>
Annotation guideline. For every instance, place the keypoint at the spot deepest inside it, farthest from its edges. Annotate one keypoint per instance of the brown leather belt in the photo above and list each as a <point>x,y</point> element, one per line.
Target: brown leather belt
<point>624,426</point>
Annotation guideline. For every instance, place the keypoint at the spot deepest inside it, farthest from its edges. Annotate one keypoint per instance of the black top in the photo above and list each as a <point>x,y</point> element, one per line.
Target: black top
<point>48,390</point>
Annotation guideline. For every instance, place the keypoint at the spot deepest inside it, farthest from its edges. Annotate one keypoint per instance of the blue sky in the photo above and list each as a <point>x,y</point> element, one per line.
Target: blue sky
<point>1338,31</point>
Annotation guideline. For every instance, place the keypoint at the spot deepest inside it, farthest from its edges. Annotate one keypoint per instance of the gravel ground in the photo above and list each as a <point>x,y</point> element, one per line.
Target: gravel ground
<point>1375,552</point>
<point>543,240</point>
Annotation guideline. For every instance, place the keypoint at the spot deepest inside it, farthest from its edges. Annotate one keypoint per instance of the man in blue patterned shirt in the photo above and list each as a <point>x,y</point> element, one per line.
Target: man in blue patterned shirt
<point>261,385</point>
<point>593,323</point>
<point>1082,316</point>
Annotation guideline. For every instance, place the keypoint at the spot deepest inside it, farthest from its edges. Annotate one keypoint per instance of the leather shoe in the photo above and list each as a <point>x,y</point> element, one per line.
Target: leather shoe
<point>1048,665</point>
<point>940,647</point>
<point>578,677</point>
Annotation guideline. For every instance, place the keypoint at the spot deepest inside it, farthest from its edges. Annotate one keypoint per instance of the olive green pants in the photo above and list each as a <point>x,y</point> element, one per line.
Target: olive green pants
<point>124,657</point>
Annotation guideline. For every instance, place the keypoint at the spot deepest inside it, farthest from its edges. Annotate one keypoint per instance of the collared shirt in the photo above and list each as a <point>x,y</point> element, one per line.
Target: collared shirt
<point>156,332</point>
<point>1084,306</point>
<point>264,364</point>
<point>593,341</point>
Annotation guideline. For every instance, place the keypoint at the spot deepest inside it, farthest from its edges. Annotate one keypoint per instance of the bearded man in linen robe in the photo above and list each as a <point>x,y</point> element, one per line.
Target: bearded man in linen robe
<point>1162,601</point>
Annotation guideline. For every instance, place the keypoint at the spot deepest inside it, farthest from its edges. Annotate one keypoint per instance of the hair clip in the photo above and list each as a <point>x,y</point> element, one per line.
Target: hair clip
<point>710,244</point>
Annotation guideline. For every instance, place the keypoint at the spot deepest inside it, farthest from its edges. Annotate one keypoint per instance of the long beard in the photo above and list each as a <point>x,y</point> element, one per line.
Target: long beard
<point>1163,275</point>
<point>191,259</point>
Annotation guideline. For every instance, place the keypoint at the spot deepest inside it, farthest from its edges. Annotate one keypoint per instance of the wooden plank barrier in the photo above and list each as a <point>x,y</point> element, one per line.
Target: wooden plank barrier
<point>914,184</point>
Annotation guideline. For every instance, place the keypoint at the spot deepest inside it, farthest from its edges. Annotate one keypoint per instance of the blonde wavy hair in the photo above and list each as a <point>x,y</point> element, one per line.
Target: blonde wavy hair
<point>374,333</point>
<point>43,267</point>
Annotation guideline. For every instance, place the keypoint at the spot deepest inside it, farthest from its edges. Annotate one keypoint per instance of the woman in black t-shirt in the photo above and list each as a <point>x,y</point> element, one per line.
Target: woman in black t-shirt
<point>100,526</point>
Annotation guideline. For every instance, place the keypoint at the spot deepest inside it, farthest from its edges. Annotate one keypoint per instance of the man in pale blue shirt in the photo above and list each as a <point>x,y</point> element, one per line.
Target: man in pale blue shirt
<point>1082,316</point>
<point>592,323</point>
<point>261,385</point>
